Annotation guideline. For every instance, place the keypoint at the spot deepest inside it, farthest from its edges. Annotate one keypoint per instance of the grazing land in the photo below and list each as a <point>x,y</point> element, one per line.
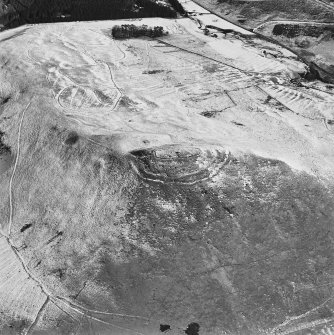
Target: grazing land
<point>180,184</point>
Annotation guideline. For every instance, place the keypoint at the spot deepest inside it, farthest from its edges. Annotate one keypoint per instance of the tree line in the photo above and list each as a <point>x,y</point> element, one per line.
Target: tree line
<point>131,30</point>
<point>41,11</point>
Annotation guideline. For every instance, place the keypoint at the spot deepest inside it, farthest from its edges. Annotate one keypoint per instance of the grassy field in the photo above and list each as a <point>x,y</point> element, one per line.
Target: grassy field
<point>172,181</point>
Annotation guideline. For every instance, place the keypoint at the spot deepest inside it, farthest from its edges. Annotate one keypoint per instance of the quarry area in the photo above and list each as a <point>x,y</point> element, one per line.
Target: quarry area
<point>304,26</point>
<point>166,175</point>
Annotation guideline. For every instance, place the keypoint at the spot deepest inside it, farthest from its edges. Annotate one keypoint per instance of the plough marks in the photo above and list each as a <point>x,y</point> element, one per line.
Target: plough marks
<point>306,105</point>
<point>20,296</point>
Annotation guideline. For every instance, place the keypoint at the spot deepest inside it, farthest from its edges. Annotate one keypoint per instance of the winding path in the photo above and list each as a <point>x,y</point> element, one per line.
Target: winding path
<point>49,297</point>
<point>14,171</point>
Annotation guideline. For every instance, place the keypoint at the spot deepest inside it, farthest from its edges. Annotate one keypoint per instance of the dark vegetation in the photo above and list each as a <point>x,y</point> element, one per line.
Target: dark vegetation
<point>270,261</point>
<point>16,12</point>
<point>153,71</point>
<point>177,6</point>
<point>294,30</point>
<point>192,329</point>
<point>297,9</point>
<point>300,37</point>
<point>25,227</point>
<point>14,327</point>
<point>317,72</point>
<point>58,234</point>
<point>131,30</point>
<point>238,255</point>
<point>238,124</point>
<point>267,261</point>
<point>5,100</point>
<point>72,138</point>
<point>3,147</point>
<point>210,114</point>
<point>164,328</point>
<point>151,8</point>
<point>5,155</point>
<point>251,14</point>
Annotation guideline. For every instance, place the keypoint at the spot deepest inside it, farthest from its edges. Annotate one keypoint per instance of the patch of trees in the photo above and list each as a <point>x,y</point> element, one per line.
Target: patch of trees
<point>3,147</point>
<point>294,30</point>
<point>155,8</point>
<point>296,9</point>
<point>42,11</point>
<point>178,7</point>
<point>131,30</point>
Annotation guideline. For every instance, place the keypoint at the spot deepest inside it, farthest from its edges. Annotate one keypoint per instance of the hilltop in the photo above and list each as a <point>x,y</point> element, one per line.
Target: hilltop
<point>175,181</point>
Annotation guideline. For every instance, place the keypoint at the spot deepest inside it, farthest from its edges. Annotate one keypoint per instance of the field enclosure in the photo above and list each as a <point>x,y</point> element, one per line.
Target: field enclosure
<point>163,183</point>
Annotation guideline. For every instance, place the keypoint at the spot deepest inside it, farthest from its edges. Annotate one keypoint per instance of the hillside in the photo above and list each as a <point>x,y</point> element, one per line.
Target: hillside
<point>305,26</point>
<point>253,13</point>
<point>180,184</point>
<point>16,13</point>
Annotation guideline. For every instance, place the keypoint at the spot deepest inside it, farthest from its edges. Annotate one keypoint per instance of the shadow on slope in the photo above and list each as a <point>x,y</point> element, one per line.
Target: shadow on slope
<point>176,235</point>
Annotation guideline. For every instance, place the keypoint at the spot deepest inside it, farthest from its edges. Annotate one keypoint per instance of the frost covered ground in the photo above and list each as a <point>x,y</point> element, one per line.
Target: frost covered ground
<point>147,90</point>
<point>121,146</point>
